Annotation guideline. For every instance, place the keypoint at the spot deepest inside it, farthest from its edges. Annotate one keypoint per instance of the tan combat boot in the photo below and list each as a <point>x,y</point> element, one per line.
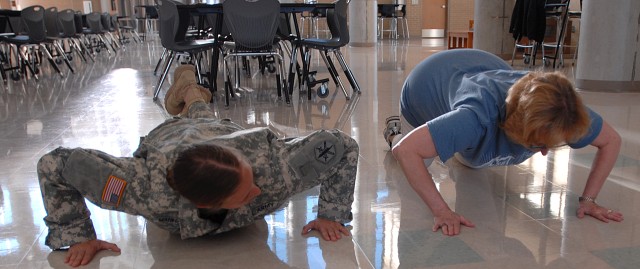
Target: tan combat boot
<point>194,93</point>
<point>174,99</point>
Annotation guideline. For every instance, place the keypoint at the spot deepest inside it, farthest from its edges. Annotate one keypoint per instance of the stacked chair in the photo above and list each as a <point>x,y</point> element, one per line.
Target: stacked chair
<point>95,35</point>
<point>128,28</point>
<point>55,36</point>
<point>110,30</point>
<point>27,47</point>
<point>67,19</point>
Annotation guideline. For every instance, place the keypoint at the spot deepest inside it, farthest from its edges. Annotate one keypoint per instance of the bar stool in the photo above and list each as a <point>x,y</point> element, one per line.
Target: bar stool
<point>396,13</point>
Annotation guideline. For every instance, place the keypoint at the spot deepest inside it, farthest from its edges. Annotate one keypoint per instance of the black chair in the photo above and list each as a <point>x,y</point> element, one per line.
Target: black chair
<point>337,22</point>
<point>151,17</point>
<point>126,25</point>
<point>66,19</point>
<point>7,20</point>
<point>95,34</point>
<point>396,14</point>
<point>527,26</point>
<point>575,15</point>
<point>80,30</point>
<point>174,43</point>
<point>54,38</point>
<point>26,46</point>
<point>253,26</point>
<point>557,10</point>
<point>109,29</point>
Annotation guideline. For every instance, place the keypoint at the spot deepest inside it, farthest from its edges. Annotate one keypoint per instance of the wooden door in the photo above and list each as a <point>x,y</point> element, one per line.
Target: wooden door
<point>434,18</point>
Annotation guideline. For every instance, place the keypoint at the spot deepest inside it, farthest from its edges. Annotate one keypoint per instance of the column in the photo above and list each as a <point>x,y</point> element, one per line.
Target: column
<point>491,26</point>
<point>608,52</point>
<point>362,23</point>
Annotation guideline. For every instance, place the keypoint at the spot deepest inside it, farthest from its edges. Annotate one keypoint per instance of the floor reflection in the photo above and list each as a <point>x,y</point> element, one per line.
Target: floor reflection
<point>524,215</point>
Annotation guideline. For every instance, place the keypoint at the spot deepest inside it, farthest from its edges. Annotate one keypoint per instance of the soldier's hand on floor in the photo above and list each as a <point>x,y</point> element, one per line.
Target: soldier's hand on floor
<point>83,253</point>
<point>330,230</point>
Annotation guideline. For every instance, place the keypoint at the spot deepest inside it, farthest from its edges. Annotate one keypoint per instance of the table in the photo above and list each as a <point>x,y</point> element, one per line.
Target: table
<point>291,9</point>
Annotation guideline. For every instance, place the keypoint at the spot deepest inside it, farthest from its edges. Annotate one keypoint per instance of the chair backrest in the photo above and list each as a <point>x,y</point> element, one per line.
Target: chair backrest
<point>105,20</point>
<point>16,24</point>
<point>51,22</point>
<point>115,24</point>
<point>337,22</point>
<point>319,12</point>
<point>168,26</point>
<point>151,12</point>
<point>211,20</point>
<point>94,22</point>
<point>284,29</point>
<point>402,10</point>
<point>4,25</point>
<point>33,23</point>
<point>77,20</point>
<point>387,10</point>
<point>252,23</point>
<point>67,21</point>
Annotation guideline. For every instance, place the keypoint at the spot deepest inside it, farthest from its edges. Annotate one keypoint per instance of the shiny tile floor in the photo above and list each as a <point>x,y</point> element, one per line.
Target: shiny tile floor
<point>524,214</point>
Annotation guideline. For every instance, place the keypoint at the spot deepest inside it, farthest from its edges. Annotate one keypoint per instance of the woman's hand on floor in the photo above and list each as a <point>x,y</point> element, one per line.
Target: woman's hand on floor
<point>330,230</point>
<point>601,213</point>
<point>83,253</point>
<point>450,222</point>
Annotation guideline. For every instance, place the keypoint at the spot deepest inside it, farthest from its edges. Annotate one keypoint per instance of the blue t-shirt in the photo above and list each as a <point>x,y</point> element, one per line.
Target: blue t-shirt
<point>460,94</point>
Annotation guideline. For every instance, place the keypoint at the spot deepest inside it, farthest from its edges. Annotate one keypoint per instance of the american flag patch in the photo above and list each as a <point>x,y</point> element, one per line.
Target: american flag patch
<point>113,190</point>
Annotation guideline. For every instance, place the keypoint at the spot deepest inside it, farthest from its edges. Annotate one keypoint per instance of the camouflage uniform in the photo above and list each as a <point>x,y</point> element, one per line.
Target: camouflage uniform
<point>281,169</point>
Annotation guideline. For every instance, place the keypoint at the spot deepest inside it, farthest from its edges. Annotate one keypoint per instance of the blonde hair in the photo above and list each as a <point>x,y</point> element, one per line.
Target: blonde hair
<point>544,109</point>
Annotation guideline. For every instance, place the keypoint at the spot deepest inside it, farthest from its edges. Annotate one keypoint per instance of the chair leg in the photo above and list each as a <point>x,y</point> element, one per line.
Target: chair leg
<point>406,27</point>
<point>305,72</point>
<point>228,90</point>
<point>347,71</point>
<point>198,69</point>
<point>513,54</point>
<point>27,64</point>
<point>281,80</point>
<point>164,53</point>
<point>3,59</point>
<point>51,60</point>
<point>22,61</point>
<point>86,50</point>
<point>281,85</point>
<point>137,36</point>
<point>64,56</point>
<point>169,61</point>
<point>73,44</point>
<point>334,72</point>
<point>293,65</point>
